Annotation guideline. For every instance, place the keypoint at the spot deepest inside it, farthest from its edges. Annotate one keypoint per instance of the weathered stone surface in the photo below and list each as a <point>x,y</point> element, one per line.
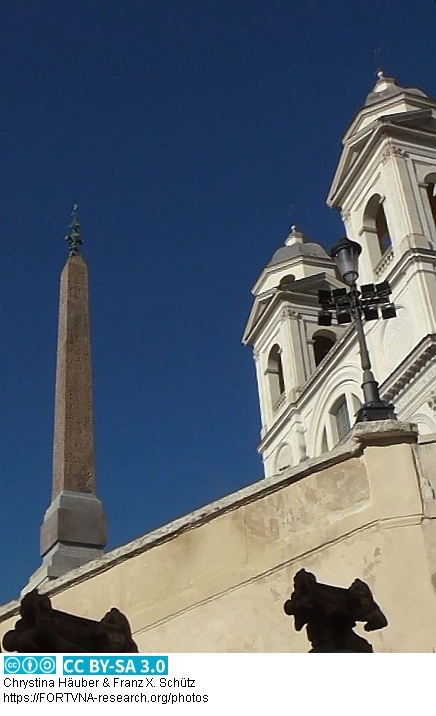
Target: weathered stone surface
<point>73,458</point>
<point>74,518</point>
<point>384,431</point>
<point>74,528</point>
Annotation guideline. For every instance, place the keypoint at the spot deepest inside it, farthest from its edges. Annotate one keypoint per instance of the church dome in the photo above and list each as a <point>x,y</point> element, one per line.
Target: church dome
<point>297,245</point>
<point>305,250</point>
<point>386,87</point>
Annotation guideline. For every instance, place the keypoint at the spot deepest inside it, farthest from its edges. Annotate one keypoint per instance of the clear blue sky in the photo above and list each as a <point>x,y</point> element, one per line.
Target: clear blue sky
<point>185,130</point>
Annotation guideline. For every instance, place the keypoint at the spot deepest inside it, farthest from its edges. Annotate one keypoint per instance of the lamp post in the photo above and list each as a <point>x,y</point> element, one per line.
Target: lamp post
<point>354,304</point>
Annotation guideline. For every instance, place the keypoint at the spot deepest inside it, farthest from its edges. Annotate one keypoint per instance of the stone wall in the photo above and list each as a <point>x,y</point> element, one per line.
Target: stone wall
<point>216,580</point>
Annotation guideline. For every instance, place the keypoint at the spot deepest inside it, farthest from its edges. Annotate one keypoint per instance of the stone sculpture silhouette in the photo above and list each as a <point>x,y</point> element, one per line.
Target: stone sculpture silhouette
<point>43,629</point>
<point>330,613</point>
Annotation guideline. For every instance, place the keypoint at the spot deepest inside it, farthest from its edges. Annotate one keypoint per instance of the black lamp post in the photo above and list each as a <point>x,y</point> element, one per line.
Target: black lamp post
<point>352,305</point>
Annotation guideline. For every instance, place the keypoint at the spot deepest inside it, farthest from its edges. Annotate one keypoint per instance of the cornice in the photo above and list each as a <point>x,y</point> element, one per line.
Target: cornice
<point>275,302</point>
<point>411,256</point>
<point>421,104</point>
<point>298,299</point>
<point>386,129</point>
<point>341,183</point>
<point>393,152</point>
<point>292,263</point>
<point>409,368</point>
<point>274,430</point>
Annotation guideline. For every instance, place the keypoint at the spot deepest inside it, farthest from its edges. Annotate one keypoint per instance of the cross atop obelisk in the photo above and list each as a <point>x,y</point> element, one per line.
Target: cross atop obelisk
<point>74,528</point>
<point>74,238</point>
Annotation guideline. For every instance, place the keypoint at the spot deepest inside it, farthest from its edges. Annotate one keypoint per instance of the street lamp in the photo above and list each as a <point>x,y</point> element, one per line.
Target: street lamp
<point>354,304</point>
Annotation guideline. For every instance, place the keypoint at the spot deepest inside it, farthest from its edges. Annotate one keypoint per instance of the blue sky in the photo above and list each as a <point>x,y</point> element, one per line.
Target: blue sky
<point>192,134</point>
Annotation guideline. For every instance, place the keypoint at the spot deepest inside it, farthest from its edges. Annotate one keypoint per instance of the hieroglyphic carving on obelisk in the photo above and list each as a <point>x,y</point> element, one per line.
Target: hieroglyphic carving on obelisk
<point>73,456</point>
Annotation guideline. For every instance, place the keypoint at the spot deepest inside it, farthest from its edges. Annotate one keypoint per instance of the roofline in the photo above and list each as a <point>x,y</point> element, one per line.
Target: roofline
<point>290,296</point>
<point>386,129</point>
<point>276,268</point>
<point>388,102</point>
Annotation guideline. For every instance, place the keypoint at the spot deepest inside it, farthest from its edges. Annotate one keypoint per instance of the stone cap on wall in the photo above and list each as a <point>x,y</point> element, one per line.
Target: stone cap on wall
<point>384,432</point>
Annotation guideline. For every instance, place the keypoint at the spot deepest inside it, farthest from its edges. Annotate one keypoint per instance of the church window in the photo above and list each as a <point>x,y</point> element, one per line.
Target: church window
<point>341,418</point>
<point>322,343</point>
<point>286,281</point>
<point>275,374</point>
<point>338,421</point>
<point>376,229</point>
<point>384,240</point>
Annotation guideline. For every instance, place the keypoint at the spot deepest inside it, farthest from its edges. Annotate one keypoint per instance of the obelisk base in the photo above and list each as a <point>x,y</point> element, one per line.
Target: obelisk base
<point>62,559</point>
<point>73,533</point>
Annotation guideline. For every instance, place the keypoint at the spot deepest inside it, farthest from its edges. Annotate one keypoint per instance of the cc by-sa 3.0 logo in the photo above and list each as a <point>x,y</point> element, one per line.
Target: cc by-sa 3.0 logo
<point>29,665</point>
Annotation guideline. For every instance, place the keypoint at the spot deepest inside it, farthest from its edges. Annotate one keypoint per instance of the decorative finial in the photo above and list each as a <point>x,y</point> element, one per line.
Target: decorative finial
<point>74,238</point>
<point>295,236</point>
<point>377,57</point>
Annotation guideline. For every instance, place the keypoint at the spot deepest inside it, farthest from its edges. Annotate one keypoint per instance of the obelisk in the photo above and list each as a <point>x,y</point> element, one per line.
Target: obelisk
<point>74,527</point>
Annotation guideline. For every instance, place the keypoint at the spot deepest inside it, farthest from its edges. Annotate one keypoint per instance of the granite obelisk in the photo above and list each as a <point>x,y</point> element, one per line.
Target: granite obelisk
<point>74,527</point>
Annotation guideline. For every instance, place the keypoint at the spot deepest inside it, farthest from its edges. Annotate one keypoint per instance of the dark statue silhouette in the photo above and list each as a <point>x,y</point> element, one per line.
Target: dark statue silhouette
<point>43,629</point>
<point>330,614</point>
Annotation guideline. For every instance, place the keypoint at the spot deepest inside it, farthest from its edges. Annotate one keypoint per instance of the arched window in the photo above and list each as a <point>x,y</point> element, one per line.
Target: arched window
<point>338,421</point>
<point>341,418</point>
<point>286,281</point>
<point>376,229</point>
<point>381,225</point>
<point>431,194</point>
<point>275,374</point>
<point>323,341</point>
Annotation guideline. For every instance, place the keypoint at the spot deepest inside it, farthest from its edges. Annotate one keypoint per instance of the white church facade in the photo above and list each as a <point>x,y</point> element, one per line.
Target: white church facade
<point>309,377</point>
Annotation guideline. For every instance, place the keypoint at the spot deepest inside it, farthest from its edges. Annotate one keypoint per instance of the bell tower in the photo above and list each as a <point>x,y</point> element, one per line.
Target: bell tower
<point>288,344</point>
<point>385,187</point>
<point>385,181</point>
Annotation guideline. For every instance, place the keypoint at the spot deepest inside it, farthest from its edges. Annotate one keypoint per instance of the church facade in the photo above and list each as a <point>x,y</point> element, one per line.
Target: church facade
<point>341,502</point>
